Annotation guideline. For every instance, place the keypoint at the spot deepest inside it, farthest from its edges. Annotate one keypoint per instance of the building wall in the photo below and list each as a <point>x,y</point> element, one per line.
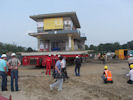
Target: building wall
<point>75,45</point>
<point>43,45</point>
<point>67,23</point>
<point>82,45</point>
<point>47,44</point>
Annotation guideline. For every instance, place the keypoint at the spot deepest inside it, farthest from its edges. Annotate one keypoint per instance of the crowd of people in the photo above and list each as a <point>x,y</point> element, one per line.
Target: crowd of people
<point>9,67</point>
<point>59,71</point>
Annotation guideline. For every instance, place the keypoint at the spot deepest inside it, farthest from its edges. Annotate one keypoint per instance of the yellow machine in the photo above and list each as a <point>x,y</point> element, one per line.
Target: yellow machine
<point>121,53</point>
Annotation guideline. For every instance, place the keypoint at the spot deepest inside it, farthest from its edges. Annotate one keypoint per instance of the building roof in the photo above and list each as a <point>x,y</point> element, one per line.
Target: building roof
<point>54,15</point>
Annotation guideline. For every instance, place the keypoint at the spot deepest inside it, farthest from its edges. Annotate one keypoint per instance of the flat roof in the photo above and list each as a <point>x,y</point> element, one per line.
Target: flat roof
<point>62,14</point>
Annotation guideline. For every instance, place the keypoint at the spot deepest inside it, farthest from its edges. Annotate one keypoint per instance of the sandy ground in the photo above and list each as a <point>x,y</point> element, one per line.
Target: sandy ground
<point>34,84</point>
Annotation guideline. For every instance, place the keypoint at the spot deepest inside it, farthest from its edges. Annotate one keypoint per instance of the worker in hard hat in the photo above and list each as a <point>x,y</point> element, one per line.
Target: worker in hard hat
<point>130,60</point>
<point>107,75</point>
<point>3,72</point>
<point>103,58</point>
<point>130,74</point>
<point>13,64</point>
<point>48,64</point>
<point>77,65</point>
<point>59,56</point>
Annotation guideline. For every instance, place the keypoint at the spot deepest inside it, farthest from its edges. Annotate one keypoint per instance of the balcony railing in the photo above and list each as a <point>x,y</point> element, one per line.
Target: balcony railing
<point>40,30</point>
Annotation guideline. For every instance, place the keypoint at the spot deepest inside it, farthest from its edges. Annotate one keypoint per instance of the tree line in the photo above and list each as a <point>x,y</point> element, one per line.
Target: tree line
<point>106,47</point>
<point>4,48</point>
<point>110,47</point>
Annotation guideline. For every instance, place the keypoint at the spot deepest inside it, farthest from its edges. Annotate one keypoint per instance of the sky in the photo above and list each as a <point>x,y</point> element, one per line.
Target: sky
<point>102,21</point>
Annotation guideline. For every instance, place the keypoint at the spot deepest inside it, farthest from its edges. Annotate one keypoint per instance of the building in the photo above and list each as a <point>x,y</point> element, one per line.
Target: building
<point>58,32</point>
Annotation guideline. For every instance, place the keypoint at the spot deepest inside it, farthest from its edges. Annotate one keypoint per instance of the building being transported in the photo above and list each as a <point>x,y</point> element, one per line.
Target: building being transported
<point>58,32</point>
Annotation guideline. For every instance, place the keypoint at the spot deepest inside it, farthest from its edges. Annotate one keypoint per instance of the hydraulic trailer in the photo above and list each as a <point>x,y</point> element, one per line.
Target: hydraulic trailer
<point>39,58</point>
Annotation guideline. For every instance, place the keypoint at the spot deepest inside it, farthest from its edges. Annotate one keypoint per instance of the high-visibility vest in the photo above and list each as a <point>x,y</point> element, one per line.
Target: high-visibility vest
<point>108,75</point>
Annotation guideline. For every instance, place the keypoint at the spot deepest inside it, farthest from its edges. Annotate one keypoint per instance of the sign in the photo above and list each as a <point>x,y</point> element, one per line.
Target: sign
<point>53,23</point>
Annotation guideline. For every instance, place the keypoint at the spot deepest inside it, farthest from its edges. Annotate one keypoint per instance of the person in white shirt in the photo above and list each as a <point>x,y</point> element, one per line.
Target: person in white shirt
<point>130,74</point>
<point>64,71</point>
<point>63,63</point>
<point>130,60</point>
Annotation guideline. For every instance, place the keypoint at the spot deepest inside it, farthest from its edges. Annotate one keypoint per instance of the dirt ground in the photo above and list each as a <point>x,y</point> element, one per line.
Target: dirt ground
<point>34,84</point>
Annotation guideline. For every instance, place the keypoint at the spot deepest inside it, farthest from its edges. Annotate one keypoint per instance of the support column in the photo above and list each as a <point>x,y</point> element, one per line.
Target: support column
<point>70,41</point>
<point>38,44</point>
<point>49,45</point>
<point>66,45</point>
<point>72,44</point>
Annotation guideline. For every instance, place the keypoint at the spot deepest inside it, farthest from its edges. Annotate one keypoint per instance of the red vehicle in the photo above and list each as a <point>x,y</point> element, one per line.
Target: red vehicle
<point>39,58</point>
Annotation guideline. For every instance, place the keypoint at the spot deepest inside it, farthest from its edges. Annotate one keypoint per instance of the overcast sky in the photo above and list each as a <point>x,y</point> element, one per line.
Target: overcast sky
<point>102,21</point>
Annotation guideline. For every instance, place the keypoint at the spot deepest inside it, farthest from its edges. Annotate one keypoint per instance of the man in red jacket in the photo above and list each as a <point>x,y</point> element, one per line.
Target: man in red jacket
<point>48,65</point>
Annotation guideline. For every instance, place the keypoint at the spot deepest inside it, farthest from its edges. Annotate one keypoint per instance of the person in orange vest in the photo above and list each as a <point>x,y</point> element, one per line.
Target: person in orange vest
<point>107,75</point>
<point>48,65</point>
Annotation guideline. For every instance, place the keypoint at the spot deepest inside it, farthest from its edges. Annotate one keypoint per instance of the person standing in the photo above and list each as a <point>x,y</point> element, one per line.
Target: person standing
<point>48,65</point>
<point>103,58</point>
<point>55,58</point>
<point>59,81</point>
<point>130,60</point>
<point>77,66</point>
<point>13,64</point>
<point>64,71</point>
<point>130,74</point>
<point>3,72</point>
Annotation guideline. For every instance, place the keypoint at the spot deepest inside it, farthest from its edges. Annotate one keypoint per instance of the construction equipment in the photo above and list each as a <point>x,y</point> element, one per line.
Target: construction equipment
<point>39,58</point>
<point>121,53</point>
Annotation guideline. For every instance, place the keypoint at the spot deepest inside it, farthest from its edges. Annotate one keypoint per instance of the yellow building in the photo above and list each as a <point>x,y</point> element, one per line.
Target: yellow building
<point>58,32</point>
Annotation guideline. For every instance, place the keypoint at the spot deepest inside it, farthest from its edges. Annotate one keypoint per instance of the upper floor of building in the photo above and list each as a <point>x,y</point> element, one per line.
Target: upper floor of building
<point>66,21</point>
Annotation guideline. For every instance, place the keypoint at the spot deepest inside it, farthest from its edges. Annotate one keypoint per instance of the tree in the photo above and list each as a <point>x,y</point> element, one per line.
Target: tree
<point>86,47</point>
<point>30,49</point>
<point>92,47</point>
<point>4,48</point>
<point>116,46</point>
<point>130,45</point>
<point>124,46</point>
